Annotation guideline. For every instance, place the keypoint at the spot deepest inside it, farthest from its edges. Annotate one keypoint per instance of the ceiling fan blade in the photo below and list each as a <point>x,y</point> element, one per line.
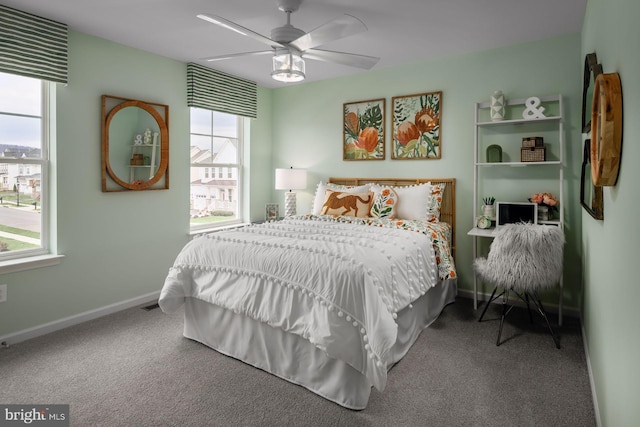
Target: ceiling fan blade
<point>341,27</point>
<point>236,55</point>
<point>225,23</point>
<point>350,59</point>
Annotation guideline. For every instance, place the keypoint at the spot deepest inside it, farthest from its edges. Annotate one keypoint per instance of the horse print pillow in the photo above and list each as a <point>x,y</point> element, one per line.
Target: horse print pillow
<point>337,203</point>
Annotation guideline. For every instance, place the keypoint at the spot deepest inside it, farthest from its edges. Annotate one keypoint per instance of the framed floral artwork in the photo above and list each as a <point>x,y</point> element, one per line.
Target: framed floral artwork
<point>363,130</point>
<point>417,126</point>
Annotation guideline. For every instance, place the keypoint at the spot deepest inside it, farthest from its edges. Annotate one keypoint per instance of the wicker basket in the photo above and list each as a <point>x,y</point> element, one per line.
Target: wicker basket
<point>137,160</point>
<point>532,141</point>
<point>533,154</point>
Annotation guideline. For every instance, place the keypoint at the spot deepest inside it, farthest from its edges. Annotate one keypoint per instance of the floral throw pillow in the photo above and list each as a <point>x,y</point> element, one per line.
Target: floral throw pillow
<point>385,202</point>
<point>347,204</point>
<point>435,202</point>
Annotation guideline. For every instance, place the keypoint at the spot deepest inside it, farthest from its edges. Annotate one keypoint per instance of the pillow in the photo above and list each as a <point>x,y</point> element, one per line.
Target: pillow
<point>385,201</point>
<point>318,200</point>
<point>347,204</point>
<point>435,202</point>
<point>413,201</point>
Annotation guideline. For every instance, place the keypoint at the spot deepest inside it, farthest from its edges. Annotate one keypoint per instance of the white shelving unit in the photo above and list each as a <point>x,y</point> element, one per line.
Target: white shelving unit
<point>145,149</point>
<point>509,133</point>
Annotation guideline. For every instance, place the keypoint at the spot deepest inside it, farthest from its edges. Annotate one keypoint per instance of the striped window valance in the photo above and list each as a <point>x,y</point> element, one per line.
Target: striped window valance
<point>32,46</point>
<point>218,91</point>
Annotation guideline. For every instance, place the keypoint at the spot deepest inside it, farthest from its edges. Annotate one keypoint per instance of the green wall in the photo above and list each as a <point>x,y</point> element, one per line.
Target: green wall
<point>610,247</point>
<point>117,246</point>
<point>307,128</point>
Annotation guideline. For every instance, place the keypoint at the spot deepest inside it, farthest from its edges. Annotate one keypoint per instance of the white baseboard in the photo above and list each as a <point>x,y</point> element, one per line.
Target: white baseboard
<point>592,382</point>
<point>548,307</point>
<point>56,325</point>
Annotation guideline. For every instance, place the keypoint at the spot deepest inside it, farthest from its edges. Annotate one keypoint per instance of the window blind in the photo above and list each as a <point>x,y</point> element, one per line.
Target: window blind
<point>218,91</point>
<point>32,46</point>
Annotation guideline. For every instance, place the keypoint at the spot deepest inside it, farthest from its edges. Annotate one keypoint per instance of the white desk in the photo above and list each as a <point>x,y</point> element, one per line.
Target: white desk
<point>476,232</point>
<point>481,232</point>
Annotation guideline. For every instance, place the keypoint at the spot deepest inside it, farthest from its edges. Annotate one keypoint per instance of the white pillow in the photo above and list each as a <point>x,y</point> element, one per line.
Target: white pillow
<point>413,201</point>
<point>318,200</point>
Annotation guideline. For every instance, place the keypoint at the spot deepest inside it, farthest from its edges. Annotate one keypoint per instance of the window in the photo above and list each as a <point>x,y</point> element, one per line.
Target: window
<point>216,151</point>
<point>24,160</point>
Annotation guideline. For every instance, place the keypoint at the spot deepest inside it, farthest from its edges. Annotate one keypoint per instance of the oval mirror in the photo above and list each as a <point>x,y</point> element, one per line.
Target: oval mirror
<point>135,145</point>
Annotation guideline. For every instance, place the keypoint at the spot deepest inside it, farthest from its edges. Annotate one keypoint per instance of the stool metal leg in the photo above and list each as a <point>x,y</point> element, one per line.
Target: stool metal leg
<point>526,297</point>
<point>505,297</point>
<point>544,316</point>
<point>487,304</point>
<point>491,299</point>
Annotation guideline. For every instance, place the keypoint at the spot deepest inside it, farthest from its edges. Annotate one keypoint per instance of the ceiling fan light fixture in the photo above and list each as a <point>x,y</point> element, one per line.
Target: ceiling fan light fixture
<point>288,68</point>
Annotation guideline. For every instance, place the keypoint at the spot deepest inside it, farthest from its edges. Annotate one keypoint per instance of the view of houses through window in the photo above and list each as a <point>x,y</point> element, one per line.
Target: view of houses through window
<point>23,158</point>
<point>216,148</point>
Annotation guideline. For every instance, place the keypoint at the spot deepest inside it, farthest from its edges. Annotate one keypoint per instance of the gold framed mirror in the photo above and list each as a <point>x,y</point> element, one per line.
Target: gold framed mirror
<point>135,145</point>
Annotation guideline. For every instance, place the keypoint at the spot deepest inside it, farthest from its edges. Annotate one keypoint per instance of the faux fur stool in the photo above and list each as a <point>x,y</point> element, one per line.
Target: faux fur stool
<point>525,259</point>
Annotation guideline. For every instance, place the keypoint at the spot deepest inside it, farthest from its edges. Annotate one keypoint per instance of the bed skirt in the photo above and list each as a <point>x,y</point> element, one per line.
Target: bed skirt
<point>293,358</point>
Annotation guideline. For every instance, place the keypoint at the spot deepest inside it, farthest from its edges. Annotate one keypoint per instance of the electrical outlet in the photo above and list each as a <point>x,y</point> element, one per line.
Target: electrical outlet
<point>3,293</point>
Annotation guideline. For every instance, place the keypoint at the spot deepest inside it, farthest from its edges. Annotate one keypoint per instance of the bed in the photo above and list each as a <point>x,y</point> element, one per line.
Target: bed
<point>326,301</point>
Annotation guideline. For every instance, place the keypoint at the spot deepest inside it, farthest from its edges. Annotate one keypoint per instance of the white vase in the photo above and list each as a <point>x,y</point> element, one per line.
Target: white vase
<point>543,213</point>
<point>498,106</point>
<point>489,210</point>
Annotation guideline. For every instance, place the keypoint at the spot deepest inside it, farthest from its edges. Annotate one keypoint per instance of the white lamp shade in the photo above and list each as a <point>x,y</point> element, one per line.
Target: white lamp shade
<point>291,179</point>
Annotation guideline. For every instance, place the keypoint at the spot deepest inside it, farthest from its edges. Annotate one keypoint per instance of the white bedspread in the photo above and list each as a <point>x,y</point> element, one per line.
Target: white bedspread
<point>338,285</point>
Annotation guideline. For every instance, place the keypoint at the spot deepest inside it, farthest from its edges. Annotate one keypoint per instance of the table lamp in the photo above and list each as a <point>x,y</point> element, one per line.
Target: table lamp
<point>290,179</point>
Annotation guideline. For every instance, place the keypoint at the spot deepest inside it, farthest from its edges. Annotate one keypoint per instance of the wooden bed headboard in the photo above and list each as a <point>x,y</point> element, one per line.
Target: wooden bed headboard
<point>447,209</point>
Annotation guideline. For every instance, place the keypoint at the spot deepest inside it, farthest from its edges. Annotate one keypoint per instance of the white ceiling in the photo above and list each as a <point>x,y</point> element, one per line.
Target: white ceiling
<point>399,31</point>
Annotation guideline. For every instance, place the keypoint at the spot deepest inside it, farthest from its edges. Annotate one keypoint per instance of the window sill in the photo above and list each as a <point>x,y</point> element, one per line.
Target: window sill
<point>29,263</point>
<point>195,233</point>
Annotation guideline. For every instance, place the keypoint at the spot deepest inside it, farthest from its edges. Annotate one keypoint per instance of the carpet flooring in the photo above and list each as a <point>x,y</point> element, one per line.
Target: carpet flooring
<point>134,368</point>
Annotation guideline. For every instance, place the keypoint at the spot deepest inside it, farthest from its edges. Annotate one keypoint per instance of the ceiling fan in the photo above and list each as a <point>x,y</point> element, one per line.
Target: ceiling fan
<point>289,45</point>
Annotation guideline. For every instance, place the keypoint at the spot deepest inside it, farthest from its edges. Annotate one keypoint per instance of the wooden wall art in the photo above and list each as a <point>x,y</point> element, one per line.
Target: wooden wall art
<point>363,130</point>
<point>417,132</point>
<point>606,130</point>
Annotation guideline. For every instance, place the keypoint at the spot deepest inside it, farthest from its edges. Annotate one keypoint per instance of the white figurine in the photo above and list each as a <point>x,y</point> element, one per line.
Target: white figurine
<point>147,136</point>
<point>137,140</point>
<point>533,109</point>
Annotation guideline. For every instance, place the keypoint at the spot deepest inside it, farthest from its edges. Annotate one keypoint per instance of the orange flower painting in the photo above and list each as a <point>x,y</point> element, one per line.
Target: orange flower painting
<point>368,139</point>
<point>416,126</point>
<point>364,130</point>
